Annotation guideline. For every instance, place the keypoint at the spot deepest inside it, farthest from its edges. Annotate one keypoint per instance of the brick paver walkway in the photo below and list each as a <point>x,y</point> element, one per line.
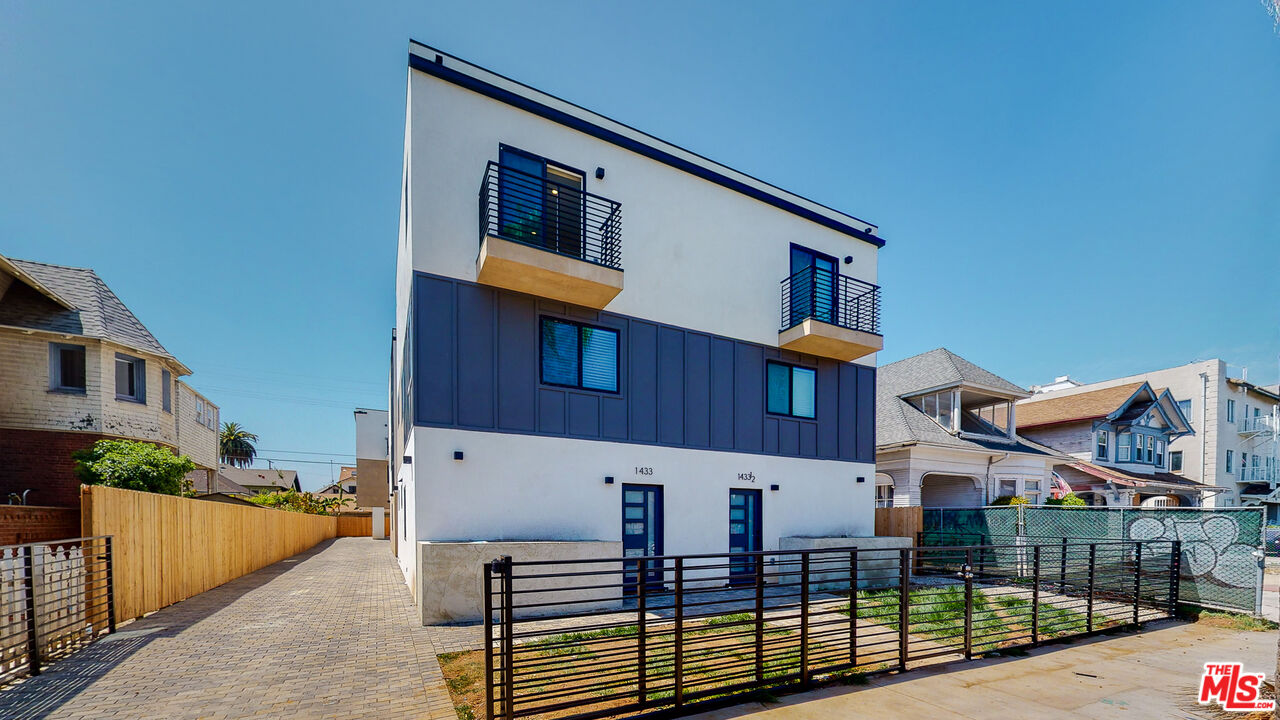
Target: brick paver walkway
<point>329,633</point>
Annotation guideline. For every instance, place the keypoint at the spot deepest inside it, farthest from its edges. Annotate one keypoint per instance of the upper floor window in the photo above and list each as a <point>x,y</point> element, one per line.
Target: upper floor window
<point>1151,442</point>
<point>67,367</point>
<point>938,406</point>
<point>1231,411</point>
<point>1124,443</point>
<point>131,378</point>
<point>1231,461</point>
<point>166,391</point>
<point>1185,407</point>
<point>540,202</point>
<point>577,355</point>
<point>1175,461</point>
<point>1159,453</point>
<point>791,390</point>
<point>1102,444</point>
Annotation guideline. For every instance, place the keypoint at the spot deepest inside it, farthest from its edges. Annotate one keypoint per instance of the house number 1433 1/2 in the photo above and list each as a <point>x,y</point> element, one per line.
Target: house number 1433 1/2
<point>644,471</point>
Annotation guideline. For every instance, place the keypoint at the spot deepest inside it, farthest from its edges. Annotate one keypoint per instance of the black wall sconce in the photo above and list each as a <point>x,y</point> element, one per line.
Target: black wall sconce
<point>848,259</point>
<point>599,173</point>
<point>861,479</point>
<point>608,479</point>
<point>457,454</point>
<point>774,488</point>
<point>408,459</point>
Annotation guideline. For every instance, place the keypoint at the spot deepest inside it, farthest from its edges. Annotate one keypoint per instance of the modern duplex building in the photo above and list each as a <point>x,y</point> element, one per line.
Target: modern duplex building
<point>1234,447</point>
<point>76,366</point>
<point>606,344</point>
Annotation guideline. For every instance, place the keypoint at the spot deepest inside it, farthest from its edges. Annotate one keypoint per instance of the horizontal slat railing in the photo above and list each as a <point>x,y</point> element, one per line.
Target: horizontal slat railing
<point>675,634</point>
<point>815,293</point>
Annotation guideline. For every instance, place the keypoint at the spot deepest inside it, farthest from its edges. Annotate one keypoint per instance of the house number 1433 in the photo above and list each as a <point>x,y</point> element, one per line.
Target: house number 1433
<point>644,471</point>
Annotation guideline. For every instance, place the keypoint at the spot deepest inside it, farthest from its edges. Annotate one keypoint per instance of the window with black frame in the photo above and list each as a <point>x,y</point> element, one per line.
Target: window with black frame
<point>540,202</point>
<point>790,390</point>
<point>578,355</point>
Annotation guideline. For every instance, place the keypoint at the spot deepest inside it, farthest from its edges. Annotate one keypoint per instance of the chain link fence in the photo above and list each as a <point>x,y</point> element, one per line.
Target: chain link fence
<point>1222,548</point>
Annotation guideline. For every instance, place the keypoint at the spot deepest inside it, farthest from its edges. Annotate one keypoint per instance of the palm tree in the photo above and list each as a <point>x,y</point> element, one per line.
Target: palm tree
<point>235,445</point>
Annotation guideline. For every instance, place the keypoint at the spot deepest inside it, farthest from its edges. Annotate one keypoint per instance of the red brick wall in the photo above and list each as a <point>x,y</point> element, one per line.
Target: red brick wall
<point>41,460</point>
<point>26,524</point>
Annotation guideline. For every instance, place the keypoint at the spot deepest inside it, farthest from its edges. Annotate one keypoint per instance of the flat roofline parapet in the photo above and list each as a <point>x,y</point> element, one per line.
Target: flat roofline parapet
<point>499,87</point>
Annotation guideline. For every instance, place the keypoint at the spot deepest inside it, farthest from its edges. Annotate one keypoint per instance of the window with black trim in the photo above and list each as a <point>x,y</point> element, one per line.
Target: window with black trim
<point>790,390</point>
<point>578,355</point>
<point>131,378</point>
<point>67,368</point>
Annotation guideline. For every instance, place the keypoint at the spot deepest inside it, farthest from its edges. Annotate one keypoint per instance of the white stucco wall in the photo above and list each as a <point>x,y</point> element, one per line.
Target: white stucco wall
<point>685,240</point>
<point>524,487</point>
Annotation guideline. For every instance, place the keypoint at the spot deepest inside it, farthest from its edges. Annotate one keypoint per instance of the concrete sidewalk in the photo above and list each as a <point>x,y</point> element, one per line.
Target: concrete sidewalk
<point>329,633</point>
<point>1154,674</point>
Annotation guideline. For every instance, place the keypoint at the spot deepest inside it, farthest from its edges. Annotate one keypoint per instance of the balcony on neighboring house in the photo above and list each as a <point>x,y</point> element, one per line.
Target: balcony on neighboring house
<point>1259,474</point>
<point>830,315</point>
<point>546,236</point>
<point>1256,425</point>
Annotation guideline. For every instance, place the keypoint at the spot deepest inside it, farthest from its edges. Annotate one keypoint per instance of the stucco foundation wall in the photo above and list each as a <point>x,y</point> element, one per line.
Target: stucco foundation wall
<point>451,577</point>
<point>877,560</point>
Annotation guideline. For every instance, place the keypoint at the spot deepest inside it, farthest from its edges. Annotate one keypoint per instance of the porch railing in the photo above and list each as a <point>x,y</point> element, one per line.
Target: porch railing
<point>830,298</point>
<point>678,634</point>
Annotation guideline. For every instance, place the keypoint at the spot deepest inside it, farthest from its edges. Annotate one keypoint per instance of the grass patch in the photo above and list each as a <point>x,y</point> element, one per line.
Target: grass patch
<point>1233,621</point>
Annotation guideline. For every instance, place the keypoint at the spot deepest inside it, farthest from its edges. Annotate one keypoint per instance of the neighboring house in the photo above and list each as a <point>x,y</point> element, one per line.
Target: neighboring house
<point>536,396</point>
<point>76,366</point>
<point>372,448</point>
<point>260,480</point>
<point>345,484</point>
<point>1234,448</point>
<point>218,484</point>
<point>1120,437</point>
<point>947,436</point>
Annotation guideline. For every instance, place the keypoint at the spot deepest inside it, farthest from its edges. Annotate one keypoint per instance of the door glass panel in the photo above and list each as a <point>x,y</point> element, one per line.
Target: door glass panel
<point>564,211</point>
<point>633,513</point>
<point>634,528</point>
<point>520,197</point>
<point>737,528</point>
<point>633,496</point>
<point>737,513</point>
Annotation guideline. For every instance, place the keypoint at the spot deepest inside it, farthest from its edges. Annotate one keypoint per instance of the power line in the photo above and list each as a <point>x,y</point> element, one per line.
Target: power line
<point>305,452</point>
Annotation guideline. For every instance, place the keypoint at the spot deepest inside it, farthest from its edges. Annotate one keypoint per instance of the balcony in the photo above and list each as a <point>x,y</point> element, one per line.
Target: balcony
<point>1256,425</point>
<point>830,315</point>
<point>1259,474</point>
<point>547,238</point>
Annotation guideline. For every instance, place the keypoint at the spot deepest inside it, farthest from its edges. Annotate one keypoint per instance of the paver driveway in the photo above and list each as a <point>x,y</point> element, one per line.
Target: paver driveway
<point>329,633</point>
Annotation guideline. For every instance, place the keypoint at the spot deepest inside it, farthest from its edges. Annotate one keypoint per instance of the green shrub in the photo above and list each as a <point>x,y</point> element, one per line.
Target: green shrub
<point>304,502</point>
<point>1010,500</point>
<point>133,466</point>
<point>1068,500</point>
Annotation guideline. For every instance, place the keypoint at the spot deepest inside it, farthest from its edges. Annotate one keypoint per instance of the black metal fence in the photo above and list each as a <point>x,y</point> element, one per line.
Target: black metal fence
<point>677,634</point>
<point>550,215</point>
<point>830,298</point>
<point>55,598</point>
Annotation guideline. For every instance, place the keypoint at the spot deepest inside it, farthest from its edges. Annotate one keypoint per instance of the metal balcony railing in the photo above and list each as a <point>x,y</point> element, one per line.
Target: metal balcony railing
<point>1255,424</point>
<point>830,298</point>
<point>1259,474</point>
<point>550,215</point>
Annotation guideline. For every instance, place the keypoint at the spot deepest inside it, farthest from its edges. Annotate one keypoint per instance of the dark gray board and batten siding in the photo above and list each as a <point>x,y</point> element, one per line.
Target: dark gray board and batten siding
<point>476,351</point>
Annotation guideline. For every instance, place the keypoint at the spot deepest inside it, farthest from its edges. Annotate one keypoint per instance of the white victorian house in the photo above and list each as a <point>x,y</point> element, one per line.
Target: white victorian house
<point>946,436</point>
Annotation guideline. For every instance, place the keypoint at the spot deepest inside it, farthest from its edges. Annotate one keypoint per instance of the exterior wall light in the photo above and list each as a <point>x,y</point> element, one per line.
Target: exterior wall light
<point>408,459</point>
<point>608,479</point>
<point>457,454</point>
<point>848,259</point>
<point>774,488</point>
<point>861,479</point>
<point>599,173</point>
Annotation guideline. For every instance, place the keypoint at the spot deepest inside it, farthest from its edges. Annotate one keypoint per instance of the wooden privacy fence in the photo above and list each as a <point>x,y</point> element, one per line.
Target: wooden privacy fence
<point>167,549</point>
<point>360,524</point>
<point>899,522</point>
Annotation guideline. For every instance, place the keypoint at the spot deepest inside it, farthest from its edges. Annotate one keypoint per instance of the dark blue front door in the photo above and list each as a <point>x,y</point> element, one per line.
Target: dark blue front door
<point>744,532</point>
<point>641,531</point>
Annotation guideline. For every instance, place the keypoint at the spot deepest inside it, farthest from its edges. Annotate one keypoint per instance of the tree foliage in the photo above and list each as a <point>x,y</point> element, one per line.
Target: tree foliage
<point>1068,500</point>
<point>132,465</point>
<point>303,502</point>
<point>1010,500</point>
<point>236,445</point>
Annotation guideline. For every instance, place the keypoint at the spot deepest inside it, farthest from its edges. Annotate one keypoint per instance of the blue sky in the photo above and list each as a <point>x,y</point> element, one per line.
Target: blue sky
<point>1089,188</point>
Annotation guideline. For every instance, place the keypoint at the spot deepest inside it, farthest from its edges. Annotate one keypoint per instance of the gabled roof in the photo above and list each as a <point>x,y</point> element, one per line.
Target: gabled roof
<point>260,477</point>
<point>1074,407</point>
<point>898,422</point>
<point>938,369</point>
<point>71,301</point>
<point>344,474</point>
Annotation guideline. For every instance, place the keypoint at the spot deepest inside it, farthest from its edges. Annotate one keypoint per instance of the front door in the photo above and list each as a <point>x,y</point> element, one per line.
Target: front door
<point>641,531</point>
<point>813,286</point>
<point>744,534</point>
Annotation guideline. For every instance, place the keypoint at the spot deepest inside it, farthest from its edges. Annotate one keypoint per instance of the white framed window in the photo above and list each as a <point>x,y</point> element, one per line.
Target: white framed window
<point>1151,449</point>
<point>1159,453</point>
<point>1123,445</point>
<point>1031,490</point>
<point>67,368</point>
<point>1102,444</point>
<point>884,495</point>
<point>1231,410</point>
<point>131,378</point>
<point>1185,407</point>
<point>1231,461</point>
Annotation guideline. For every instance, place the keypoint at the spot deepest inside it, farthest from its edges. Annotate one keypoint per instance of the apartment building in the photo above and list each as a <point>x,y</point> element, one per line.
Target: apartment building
<point>77,366</point>
<point>606,344</point>
<point>372,428</point>
<point>1233,450</point>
